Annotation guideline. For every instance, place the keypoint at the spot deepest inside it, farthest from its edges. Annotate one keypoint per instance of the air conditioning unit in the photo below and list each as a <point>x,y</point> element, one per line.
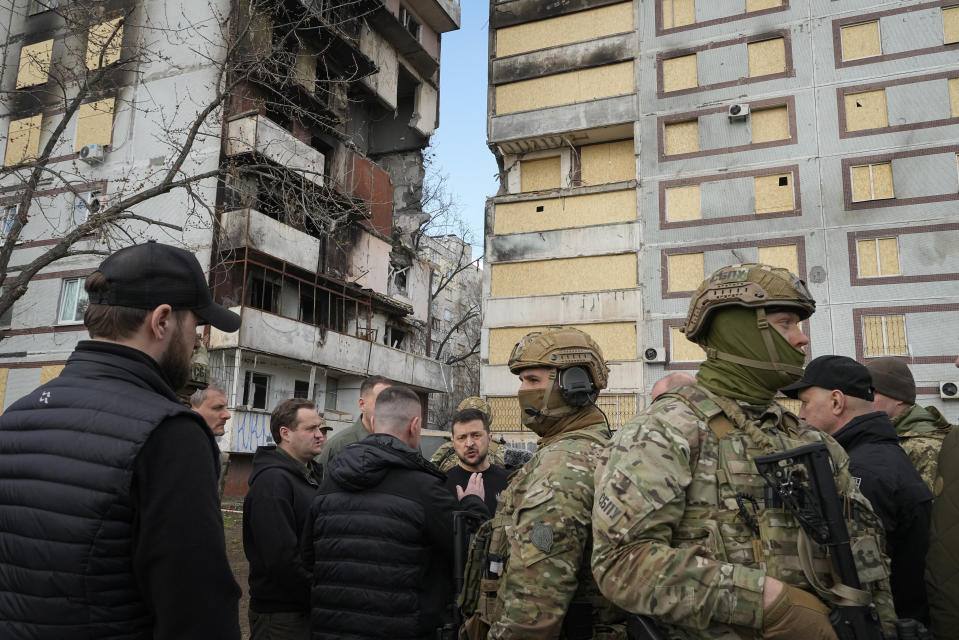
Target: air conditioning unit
<point>92,154</point>
<point>949,390</point>
<point>738,112</point>
<point>654,354</point>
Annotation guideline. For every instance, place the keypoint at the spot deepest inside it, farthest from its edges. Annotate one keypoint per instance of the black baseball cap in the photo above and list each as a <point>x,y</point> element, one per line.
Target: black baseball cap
<point>147,275</point>
<point>834,372</point>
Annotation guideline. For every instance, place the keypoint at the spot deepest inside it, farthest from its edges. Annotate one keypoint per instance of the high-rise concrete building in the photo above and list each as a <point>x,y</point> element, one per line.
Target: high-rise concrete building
<point>299,185</point>
<point>644,144</point>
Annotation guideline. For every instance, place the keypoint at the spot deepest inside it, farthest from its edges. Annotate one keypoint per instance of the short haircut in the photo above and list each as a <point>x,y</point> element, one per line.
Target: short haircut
<point>107,321</point>
<point>468,415</point>
<point>199,396</point>
<point>285,415</point>
<point>395,407</point>
<point>371,382</point>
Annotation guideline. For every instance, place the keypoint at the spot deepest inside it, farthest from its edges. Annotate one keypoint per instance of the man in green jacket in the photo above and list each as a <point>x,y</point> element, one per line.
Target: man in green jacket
<point>363,426</point>
<point>921,429</point>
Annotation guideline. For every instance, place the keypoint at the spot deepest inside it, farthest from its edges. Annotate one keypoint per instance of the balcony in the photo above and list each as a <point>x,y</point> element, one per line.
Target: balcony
<point>273,334</point>
<point>441,15</point>
<point>260,135</point>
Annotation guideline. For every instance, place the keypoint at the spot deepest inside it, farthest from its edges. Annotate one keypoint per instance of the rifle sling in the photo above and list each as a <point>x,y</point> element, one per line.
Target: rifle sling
<point>839,595</point>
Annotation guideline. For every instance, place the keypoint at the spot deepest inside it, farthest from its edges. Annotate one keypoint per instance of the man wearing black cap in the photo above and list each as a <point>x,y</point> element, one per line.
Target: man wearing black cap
<point>109,520</point>
<point>836,394</point>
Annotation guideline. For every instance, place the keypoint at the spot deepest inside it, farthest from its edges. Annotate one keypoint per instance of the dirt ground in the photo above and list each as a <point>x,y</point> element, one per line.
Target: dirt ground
<point>233,530</point>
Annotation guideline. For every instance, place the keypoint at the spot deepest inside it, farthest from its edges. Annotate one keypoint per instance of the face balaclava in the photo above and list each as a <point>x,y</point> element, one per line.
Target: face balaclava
<point>735,338</point>
<point>550,414</point>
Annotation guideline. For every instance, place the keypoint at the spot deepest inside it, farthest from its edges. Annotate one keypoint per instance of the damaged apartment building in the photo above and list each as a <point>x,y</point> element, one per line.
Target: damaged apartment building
<point>293,131</point>
<point>644,144</point>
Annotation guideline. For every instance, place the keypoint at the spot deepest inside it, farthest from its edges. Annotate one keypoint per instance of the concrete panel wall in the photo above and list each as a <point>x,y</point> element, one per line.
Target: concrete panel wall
<point>616,339</point>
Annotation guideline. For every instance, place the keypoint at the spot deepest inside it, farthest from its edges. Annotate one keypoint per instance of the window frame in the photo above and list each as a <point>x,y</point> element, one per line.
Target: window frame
<point>842,48</point>
<point>872,181</point>
<point>249,390</point>
<point>879,265</point>
<point>62,302</point>
<point>885,339</point>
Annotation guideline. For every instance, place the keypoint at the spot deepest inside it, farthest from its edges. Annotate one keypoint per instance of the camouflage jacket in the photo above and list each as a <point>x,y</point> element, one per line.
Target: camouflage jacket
<point>545,515</point>
<point>670,540</point>
<point>921,432</point>
<point>445,456</point>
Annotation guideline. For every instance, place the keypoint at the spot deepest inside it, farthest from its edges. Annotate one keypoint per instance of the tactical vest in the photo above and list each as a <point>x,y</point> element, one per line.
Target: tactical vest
<point>727,513</point>
<point>479,600</point>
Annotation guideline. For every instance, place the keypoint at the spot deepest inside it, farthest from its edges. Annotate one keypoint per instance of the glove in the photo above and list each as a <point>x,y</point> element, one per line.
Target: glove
<point>797,615</point>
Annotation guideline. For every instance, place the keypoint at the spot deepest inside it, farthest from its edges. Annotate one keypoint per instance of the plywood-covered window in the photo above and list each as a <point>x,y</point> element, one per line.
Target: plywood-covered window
<point>866,110</point>
<point>872,182</point>
<point>785,256</point>
<point>954,97</point>
<point>94,123</point>
<point>683,350</point>
<point>607,162</point>
<point>686,271</point>
<point>770,124</point>
<point>23,140</point>
<point>3,386</point>
<point>505,414</point>
<point>759,5</point>
<point>573,27</point>
<point>860,40</point>
<point>683,203</point>
<point>680,73</point>
<point>34,64</point>
<point>950,24</point>
<point>766,57</point>
<point>878,257</point>
<point>677,13</point>
<point>682,137</point>
<point>884,336</point>
<point>541,174</point>
<point>103,43</point>
<point>774,193</point>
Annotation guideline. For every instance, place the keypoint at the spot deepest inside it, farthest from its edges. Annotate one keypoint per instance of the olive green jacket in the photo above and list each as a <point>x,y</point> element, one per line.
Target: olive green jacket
<point>921,432</point>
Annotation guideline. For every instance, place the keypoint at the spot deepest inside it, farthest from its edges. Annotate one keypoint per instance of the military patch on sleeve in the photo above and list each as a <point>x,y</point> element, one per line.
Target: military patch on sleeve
<point>542,537</point>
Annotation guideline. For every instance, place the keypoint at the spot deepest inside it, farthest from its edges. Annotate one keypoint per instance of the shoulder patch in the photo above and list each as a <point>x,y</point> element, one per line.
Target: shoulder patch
<point>542,537</point>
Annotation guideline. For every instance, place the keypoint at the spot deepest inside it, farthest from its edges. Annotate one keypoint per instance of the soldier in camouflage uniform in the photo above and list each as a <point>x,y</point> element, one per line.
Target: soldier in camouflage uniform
<point>921,429</point>
<point>680,529</point>
<point>445,457</point>
<point>542,525</point>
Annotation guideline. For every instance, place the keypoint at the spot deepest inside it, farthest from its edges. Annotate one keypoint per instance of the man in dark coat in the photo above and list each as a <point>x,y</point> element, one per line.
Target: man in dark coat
<point>282,487</point>
<point>109,521</point>
<point>837,395</point>
<point>382,532</point>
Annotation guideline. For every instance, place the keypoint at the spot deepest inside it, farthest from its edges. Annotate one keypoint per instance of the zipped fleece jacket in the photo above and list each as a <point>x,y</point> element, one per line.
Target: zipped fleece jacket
<point>381,528</point>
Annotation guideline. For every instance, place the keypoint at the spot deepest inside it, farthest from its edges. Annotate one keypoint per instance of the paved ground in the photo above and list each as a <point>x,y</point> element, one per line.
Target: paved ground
<point>233,529</point>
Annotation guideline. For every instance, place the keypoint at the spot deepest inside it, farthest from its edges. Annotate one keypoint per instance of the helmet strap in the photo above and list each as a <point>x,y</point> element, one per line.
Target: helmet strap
<point>787,372</point>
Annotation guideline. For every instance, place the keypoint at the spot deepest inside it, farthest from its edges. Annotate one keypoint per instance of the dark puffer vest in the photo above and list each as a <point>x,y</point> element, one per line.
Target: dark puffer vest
<point>382,533</point>
<point>67,453</point>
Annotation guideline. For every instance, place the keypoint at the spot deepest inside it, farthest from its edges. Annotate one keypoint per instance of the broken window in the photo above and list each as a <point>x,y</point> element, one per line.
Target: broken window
<point>256,388</point>
<point>409,22</point>
<point>73,301</point>
<point>301,389</point>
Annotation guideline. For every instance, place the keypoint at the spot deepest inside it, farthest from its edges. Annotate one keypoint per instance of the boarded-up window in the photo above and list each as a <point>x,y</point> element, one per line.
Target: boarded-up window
<point>860,40</point>
<point>505,414</point>
<point>566,88</point>
<point>878,257</point>
<point>3,386</point>
<point>23,140</point>
<point>766,57</point>
<point>759,5</point>
<point>563,275</point>
<point>866,110</point>
<point>950,24</point>
<point>872,182</point>
<point>682,137</point>
<point>774,193</point>
<point>49,372</point>
<point>954,97</point>
<point>785,256</point>
<point>680,73</point>
<point>538,175</point>
<point>770,124</point>
<point>103,43</point>
<point>94,123</point>
<point>34,64</point>
<point>677,13</point>
<point>683,203</point>
<point>617,340</point>
<point>683,350</point>
<point>608,162</point>
<point>686,271</point>
<point>884,335</point>
<point>573,27</point>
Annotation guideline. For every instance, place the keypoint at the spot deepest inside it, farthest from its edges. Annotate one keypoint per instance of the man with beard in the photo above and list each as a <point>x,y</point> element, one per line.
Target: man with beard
<point>108,508</point>
<point>471,441</point>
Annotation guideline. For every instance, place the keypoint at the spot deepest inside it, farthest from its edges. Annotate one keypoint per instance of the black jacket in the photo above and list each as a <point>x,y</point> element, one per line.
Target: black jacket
<point>274,514</point>
<point>109,520</point>
<point>900,498</point>
<point>382,543</point>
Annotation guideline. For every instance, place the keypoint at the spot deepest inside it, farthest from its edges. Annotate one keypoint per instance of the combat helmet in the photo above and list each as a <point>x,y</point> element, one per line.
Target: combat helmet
<point>754,286</point>
<point>560,348</point>
<point>477,403</point>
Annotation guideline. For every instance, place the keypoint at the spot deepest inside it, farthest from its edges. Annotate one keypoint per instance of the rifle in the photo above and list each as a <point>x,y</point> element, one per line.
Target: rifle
<point>802,479</point>
<point>465,525</point>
